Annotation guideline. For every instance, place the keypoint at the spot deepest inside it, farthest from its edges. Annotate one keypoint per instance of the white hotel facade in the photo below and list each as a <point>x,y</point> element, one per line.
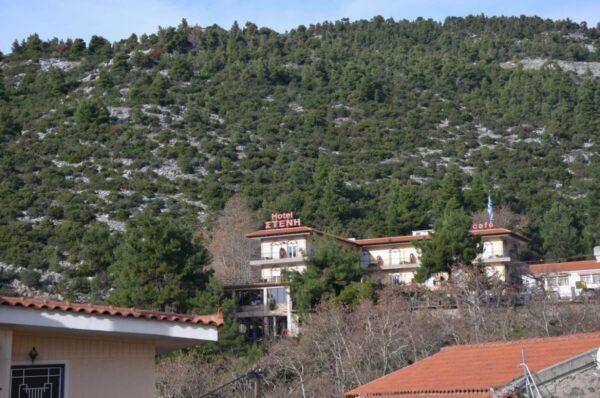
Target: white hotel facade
<point>265,308</point>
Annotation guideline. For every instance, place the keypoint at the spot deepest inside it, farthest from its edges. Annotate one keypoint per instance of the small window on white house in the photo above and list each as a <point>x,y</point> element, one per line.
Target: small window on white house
<point>396,279</point>
<point>413,258</point>
<point>394,257</point>
<point>563,281</point>
<point>292,249</point>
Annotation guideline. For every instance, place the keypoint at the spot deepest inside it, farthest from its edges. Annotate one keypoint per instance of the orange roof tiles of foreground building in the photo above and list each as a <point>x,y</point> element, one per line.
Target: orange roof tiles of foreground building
<point>473,371</point>
<point>569,266</point>
<point>90,309</point>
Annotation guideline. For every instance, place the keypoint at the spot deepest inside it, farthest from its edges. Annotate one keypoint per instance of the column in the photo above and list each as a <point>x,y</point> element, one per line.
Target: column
<point>5,361</point>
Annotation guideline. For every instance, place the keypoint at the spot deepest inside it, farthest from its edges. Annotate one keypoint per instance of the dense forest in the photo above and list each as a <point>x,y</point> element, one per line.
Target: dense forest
<point>363,128</point>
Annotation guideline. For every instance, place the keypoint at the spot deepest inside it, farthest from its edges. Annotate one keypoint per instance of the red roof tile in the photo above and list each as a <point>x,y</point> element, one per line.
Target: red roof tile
<point>295,230</point>
<point>90,309</point>
<point>547,268</point>
<point>411,238</point>
<point>473,370</point>
<point>498,231</point>
<point>390,239</point>
<point>281,231</point>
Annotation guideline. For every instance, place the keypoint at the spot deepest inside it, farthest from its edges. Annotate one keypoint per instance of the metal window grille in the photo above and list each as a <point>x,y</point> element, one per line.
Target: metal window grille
<point>37,381</point>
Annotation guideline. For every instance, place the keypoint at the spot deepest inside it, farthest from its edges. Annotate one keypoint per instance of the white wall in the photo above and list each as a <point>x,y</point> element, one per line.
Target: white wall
<point>95,367</point>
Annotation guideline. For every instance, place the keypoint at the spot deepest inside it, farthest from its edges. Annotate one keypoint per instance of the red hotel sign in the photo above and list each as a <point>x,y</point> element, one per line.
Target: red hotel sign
<point>282,220</point>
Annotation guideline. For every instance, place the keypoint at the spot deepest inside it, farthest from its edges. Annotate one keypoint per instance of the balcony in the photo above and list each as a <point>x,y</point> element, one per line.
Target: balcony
<point>248,311</point>
<point>266,261</point>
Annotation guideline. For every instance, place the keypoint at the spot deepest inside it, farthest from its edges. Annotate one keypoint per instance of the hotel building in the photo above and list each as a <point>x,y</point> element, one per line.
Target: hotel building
<point>265,308</point>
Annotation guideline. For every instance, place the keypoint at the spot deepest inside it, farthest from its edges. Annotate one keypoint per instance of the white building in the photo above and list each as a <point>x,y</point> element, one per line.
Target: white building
<point>265,308</point>
<point>567,279</point>
<point>59,349</point>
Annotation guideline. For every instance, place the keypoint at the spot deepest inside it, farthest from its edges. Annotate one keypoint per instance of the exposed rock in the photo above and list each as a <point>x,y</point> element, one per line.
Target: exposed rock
<point>64,65</point>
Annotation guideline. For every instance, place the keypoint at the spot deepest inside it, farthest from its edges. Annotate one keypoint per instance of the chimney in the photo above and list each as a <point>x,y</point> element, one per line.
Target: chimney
<point>597,253</point>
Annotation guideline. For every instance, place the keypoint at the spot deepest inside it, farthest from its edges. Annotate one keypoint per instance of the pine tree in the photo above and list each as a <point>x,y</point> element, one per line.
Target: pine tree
<point>451,243</point>
<point>405,209</point>
<point>560,236</point>
<point>158,265</point>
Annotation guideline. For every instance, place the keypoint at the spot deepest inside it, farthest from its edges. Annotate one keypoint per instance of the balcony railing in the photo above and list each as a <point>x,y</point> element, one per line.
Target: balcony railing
<point>277,261</point>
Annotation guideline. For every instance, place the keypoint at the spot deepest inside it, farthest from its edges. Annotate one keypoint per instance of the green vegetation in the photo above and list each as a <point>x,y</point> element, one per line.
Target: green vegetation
<point>364,129</point>
<point>332,271</point>
<point>451,243</point>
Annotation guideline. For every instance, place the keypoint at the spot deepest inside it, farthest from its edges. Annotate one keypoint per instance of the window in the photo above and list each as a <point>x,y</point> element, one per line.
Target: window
<point>394,257</point>
<point>277,295</point>
<point>591,279</point>
<point>552,281</point>
<point>395,279</point>
<point>563,281</point>
<point>274,250</point>
<point>365,259</point>
<point>292,249</point>
<point>252,297</point>
<point>45,381</point>
<point>413,258</point>
<point>487,250</point>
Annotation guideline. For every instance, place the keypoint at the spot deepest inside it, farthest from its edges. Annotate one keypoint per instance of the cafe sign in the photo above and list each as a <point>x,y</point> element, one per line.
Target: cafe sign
<point>484,225</point>
<point>283,220</point>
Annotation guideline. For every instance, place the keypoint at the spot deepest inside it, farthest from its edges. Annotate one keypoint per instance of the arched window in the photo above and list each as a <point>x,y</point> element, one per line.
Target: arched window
<point>282,253</point>
<point>413,258</point>
<point>394,257</point>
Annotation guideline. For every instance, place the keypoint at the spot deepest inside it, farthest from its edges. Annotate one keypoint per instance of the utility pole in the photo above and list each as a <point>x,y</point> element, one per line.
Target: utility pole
<point>256,374</point>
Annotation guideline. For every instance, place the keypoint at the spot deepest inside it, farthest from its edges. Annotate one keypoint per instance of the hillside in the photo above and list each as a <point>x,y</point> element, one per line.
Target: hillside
<point>363,128</point>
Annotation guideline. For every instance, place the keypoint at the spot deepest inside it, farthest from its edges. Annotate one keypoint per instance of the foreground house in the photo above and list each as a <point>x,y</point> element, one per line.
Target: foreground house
<point>264,308</point>
<point>555,366</point>
<point>58,349</point>
<point>567,280</point>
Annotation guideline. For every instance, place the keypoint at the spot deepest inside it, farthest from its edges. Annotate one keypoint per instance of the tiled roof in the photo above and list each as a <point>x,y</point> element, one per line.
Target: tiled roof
<point>390,239</point>
<point>411,238</point>
<point>295,230</point>
<point>498,231</point>
<point>547,268</point>
<point>281,231</point>
<point>90,309</point>
<point>473,370</point>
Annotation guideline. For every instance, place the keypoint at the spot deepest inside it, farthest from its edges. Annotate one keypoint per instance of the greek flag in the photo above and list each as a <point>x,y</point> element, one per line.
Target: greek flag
<point>490,208</point>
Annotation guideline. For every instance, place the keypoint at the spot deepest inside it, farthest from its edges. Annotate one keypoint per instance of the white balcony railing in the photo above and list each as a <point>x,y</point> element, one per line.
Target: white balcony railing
<point>277,261</point>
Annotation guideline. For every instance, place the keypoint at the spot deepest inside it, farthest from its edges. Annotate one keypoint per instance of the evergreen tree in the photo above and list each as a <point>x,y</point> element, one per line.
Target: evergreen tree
<point>451,243</point>
<point>405,210</point>
<point>330,269</point>
<point>158,88</point>
<point>90,112</point>
<point>560,236</point>
<point>159,265</point>
<point>8,125</point>
<point>181,69</point>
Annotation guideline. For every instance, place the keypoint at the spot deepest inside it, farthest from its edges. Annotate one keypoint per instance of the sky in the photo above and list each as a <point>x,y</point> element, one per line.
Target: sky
<point>117,19</point>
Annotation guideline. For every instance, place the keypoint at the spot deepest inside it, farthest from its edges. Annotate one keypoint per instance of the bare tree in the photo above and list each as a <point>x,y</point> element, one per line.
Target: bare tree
<point>230,249</point>
<point>503,218</point>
